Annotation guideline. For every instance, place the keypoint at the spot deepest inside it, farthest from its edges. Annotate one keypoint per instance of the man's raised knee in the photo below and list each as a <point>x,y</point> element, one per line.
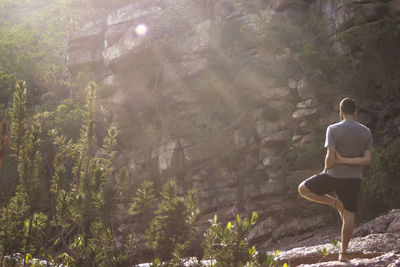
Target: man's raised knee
<point>302,189</point>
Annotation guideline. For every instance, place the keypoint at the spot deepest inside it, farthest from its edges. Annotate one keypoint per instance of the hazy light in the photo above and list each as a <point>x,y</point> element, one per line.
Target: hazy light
<point>141,29</point>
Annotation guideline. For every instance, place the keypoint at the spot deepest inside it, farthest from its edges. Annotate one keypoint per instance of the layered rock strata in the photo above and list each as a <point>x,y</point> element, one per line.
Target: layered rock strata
<point>197,98</point>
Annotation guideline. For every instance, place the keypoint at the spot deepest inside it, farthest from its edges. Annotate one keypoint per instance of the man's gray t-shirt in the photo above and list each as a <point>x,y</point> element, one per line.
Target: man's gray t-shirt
<point>350,139</point>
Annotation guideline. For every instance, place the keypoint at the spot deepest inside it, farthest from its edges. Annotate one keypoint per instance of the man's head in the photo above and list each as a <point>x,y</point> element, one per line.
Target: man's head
<point>347,107</point>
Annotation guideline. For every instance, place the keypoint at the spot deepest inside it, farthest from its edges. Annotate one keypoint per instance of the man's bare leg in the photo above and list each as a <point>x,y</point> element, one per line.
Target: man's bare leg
<point>324,199</point>
<point>347,233</point>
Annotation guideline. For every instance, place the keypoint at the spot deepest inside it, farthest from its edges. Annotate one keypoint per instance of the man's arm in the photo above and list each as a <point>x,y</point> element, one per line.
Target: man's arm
<point>330,157</point>
<point>364,160</point>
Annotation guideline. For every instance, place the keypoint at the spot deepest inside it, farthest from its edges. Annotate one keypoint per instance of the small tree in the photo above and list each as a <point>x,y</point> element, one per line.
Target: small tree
<point>18,118</point>
<point>143,202</point>
<point>172,229</point>
<point>11,224</point>
<point>228,245</point>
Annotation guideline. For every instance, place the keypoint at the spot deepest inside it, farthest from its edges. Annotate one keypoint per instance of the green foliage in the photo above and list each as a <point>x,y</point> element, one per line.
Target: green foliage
<point>228,245</point>
<point>11,224</point>
<point>68,119</point>
<point>35,230</point>
<point>18,118</point>
<point>324,252</point>
<point>101,245</point>
<point>172,229</point>
<point>376,45</point>
<point>381,184</point>
<point>143,202</point>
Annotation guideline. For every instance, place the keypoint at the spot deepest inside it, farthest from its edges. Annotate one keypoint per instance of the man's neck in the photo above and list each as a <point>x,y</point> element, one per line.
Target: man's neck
<point>349,117</point>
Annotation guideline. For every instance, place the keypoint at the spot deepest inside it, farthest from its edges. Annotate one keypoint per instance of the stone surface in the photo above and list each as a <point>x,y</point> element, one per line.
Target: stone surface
<point>202,69</point>
<point>277,139</point>
<point>346,14</point>
<point>276,93</point>
<point>304,90</point>
<point>260,190</point>
<point>263,229</point>
<point>184,69</point>
<point>369,246</point>
<point>89,36</point>
<point>381,224</point>
<point>281,4</point>
<point>308,103</point>
<point>377,247</point>
<point>84,57</point>
<point>302,113</point>
<point>394,7</point>
<point>264,128</point>
<point>390,259</point>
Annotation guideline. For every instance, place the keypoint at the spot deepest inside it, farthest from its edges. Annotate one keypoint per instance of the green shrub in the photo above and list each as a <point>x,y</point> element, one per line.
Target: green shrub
<point>381,186</point>
<point>172,229</point>
<point>228,245</point>
<point>143,202</point>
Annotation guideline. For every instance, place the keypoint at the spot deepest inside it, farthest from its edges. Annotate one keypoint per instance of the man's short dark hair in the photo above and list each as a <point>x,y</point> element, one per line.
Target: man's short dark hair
<point>348,106</point>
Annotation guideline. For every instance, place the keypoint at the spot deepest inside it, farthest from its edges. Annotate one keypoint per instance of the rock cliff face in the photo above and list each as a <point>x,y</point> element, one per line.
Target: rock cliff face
<point>197,97</point>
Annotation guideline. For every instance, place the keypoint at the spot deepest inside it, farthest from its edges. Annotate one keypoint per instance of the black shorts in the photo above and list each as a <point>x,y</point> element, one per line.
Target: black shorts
<point>346,189</point>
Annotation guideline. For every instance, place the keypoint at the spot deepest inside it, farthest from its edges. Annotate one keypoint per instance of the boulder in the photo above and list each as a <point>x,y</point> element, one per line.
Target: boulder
<point>295,226</point>
<point>394,7</point>
<point>304,90</point>
<point>263,128</point>
<point>302,139</point>
<point>308,103</point>
<point>292,84</point>
<point>263,230</point>
<point>274,162</point>
<point>346,14</point>
<point>262,189</point>
<point>212,201</point>
<point>380,224</point>
<point>84,57</point>
<point>181,70</point>
<point>371,246</point>
<point>278,93</point>
<point>278,139</point>
<point>89,36</point>
<point>239,139</point>
<point>303,113</point>
<point>281,5</point>
<point>166,154</point>
<point>171,25</point>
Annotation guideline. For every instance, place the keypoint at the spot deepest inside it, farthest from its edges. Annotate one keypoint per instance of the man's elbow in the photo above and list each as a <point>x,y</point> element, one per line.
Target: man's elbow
<point>330,161</point>
<point>367,161</point>
<point>367,157</point>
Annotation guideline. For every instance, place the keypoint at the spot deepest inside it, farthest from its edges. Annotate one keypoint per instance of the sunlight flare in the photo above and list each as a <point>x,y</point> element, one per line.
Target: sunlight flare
<point>141,29</point>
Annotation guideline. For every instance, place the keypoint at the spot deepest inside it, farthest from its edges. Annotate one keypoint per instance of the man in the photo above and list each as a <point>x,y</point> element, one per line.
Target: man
<point>349,147</point>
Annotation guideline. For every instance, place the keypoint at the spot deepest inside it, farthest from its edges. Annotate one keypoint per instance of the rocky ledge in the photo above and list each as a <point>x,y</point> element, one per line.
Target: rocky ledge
<point>376,244</point>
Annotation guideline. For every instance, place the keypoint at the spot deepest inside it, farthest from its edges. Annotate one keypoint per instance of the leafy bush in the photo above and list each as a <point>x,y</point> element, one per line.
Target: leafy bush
<point>228,245</point>
<point>172,229</point>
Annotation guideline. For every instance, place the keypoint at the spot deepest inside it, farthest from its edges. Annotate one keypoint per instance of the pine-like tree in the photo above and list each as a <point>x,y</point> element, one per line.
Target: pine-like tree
<point>30,172</point>
<point>18,118</point>
<point>173,227</point>
<point>143,202</point>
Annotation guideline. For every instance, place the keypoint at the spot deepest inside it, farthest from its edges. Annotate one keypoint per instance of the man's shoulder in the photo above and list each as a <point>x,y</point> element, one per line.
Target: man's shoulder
<point>335,125</point>
<point>351,124</point>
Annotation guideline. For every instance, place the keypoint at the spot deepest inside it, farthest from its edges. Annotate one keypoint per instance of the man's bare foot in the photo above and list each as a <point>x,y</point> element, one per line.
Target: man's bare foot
<point>339,206</point>
<point>343,257</point>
